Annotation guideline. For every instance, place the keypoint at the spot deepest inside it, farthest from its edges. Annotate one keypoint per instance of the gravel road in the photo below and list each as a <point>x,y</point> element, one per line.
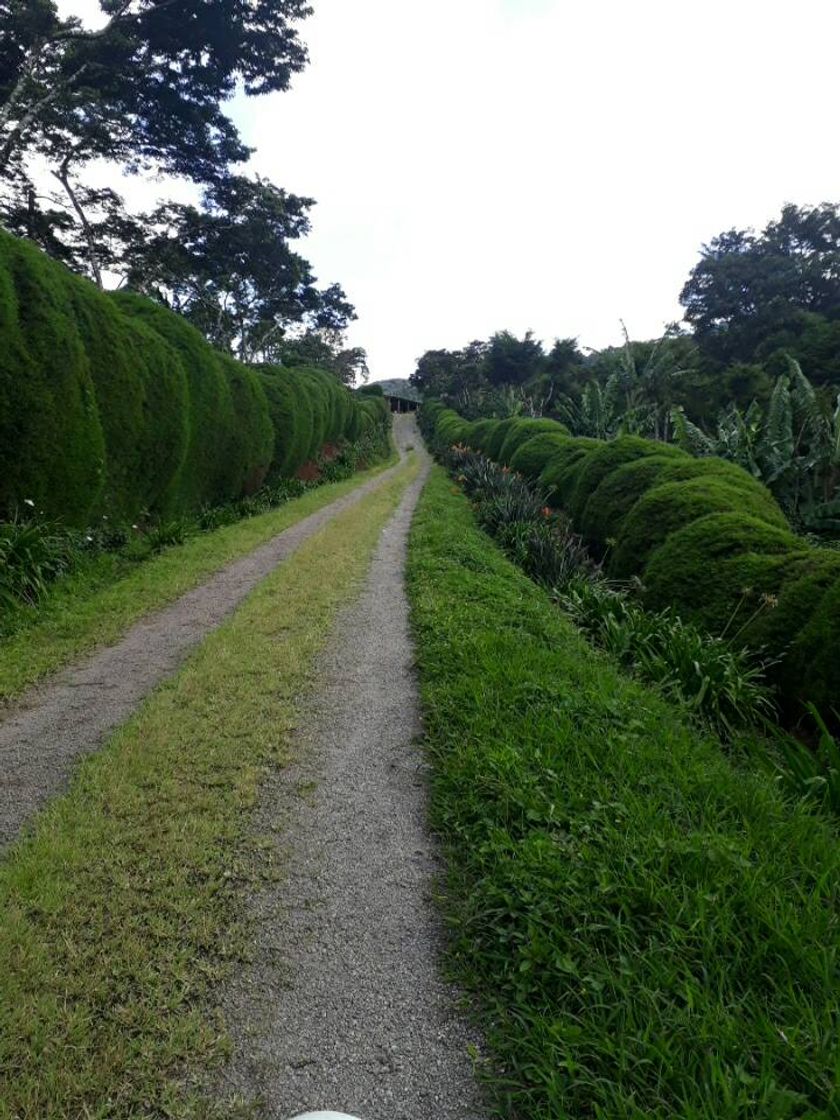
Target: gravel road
<point>343,1006</point>
<point>52,726</point>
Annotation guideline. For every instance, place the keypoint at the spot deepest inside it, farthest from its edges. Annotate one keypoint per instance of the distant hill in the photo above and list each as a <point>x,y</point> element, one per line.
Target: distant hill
<point>401,388</point>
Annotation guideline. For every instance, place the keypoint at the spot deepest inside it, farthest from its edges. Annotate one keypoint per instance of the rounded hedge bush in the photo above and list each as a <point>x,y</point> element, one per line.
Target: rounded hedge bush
<point>307,403</point>
<point>496,439</point>
<point>319,398</point>
<point>789,625</point>
<point>612,500</point>
<point>533,456</point>
<point>52,446</point>
<point>611,503</point>
<point>481,432</point>
<point>523,430</point>
<point>560,473</point>
<point>608,457</point>
<point>811,669</point>
<point>450,428</point>
<point>715,570</point>
<point>206,477</point>
<point>284,410</point>
<point>251,443</point>
<point>110,403</point>
<point>671,506</point>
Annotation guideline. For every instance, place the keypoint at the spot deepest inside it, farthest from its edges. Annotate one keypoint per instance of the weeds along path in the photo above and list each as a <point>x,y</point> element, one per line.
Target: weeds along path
<point>44,733</point>
<point>343,1006</point>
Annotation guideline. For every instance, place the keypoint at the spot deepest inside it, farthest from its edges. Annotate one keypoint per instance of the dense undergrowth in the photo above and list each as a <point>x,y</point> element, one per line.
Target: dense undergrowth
<point>649,929</point>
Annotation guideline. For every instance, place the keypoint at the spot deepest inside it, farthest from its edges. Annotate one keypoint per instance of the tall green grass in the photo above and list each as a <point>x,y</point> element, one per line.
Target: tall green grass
<point>647,929</point>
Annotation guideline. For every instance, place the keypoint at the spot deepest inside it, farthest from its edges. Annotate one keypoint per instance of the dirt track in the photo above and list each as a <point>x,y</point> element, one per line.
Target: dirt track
<point>344,1007</point>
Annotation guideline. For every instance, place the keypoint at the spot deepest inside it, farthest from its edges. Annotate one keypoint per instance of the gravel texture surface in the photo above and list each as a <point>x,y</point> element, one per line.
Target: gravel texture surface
<point>43,734</point>
<point>343,1006</point>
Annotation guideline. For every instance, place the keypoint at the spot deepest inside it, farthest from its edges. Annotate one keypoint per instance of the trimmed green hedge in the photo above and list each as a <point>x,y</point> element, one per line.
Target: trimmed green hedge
<point>533,456</point>
<point>703,536</point>
<point>667,507</point>
<point>615,498</point>
<point>52,446</point>
<point>523,430</point>
<point>481,432</point>
<point>561,472</point>
<point>608,457</point>
<point>111,404</point>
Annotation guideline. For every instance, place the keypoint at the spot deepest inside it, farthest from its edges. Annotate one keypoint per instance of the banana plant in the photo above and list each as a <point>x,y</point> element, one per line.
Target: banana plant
<point>794,448</point>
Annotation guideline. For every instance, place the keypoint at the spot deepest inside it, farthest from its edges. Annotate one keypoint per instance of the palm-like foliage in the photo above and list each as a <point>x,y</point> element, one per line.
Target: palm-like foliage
<point>794,448</point>
<point>634,400</point>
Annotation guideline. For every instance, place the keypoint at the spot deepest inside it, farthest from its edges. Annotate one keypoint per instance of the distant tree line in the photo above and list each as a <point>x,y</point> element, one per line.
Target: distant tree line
<point>145,91</point>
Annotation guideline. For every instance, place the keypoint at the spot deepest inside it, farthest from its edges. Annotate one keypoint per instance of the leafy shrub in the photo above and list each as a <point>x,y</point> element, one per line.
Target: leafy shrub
<point>812,771</point>
<point>547,550</point>
<point>669,507</point>
<point>215,517</point>
<point>606,458</point>
<point>533,456</point>
<point>523,430</point>
<point>717,569</point>
<point>615,497</point>
<point>168,533</point>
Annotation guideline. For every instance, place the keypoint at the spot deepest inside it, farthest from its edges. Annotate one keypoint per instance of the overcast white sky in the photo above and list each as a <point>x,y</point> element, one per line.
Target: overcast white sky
<point>542,164</point>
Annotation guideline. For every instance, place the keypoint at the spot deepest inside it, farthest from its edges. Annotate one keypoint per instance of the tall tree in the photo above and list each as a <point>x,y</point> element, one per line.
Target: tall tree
<point>747,286</point>
<point>513,361</point>
<point>145,90</point>
<point>229,268</point>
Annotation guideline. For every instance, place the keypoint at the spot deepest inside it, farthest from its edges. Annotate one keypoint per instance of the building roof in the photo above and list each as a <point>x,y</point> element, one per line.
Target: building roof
<point>401,389</point>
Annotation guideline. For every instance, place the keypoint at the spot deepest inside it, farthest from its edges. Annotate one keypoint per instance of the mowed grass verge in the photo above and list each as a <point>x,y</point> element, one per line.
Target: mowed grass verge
<point>647,930</point>
<point>97,604</point>
<point>118,914</point>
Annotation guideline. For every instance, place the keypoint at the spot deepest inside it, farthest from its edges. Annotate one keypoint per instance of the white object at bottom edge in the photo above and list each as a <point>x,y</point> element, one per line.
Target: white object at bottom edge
<point>325,1116</point>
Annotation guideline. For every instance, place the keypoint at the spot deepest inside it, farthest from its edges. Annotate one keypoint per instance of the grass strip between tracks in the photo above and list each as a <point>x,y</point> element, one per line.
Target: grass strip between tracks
<point>648,929</point>
<point>118,912</point>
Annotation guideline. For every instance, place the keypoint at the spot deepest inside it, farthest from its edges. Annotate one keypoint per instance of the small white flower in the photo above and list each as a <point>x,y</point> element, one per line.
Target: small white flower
<point>29,502</point>
<point>88,538</point>
<point>135,526</point>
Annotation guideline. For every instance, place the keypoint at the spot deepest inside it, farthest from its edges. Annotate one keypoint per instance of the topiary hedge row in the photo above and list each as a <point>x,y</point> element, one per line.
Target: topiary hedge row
<point>702,536</point>
<point>111,404</point>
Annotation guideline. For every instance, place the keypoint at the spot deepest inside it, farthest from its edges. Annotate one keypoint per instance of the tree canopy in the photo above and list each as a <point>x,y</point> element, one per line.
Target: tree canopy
<point>146,91</point>
<point>748,287</point>
<point>229,268</point>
